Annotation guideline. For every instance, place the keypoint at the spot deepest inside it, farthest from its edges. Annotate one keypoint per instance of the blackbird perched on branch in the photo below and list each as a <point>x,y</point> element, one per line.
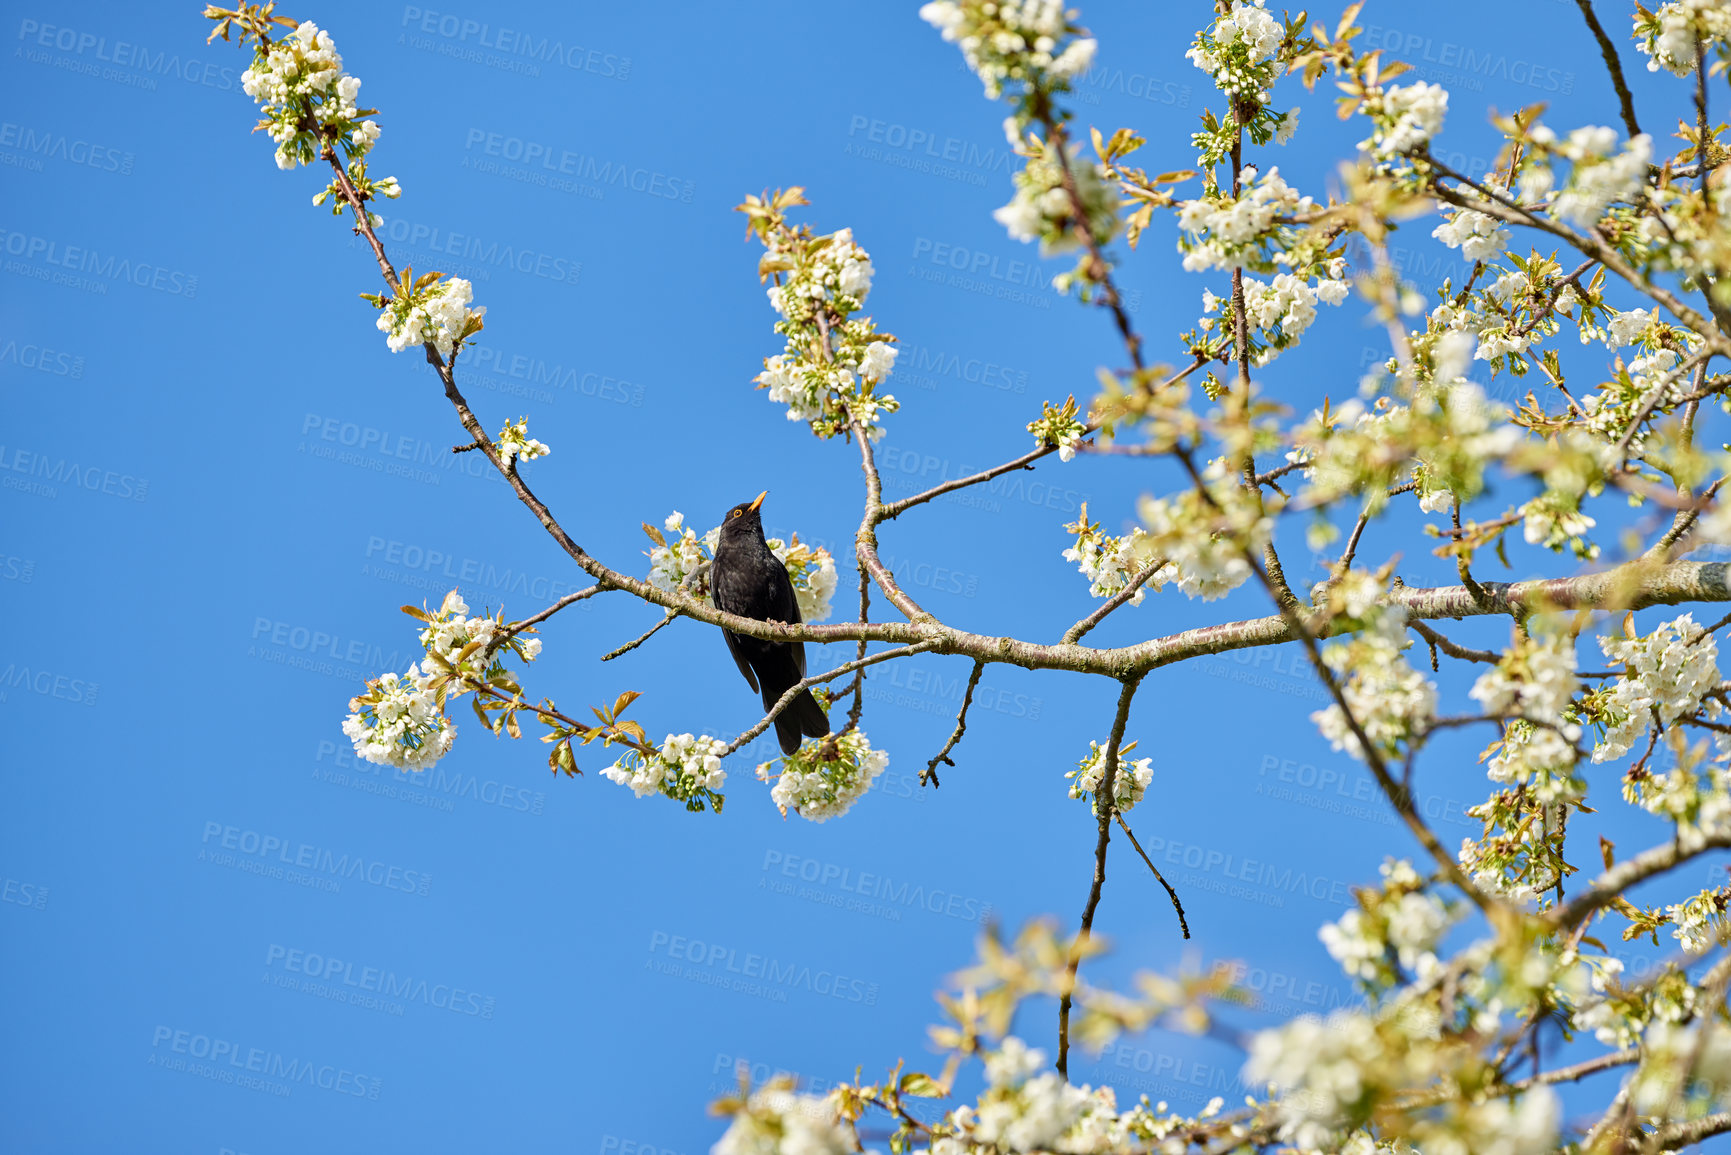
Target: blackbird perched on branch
<point>747,579</point>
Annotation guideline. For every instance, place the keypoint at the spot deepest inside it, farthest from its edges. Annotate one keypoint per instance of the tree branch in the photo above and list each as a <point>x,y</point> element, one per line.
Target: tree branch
<point>1074,633</point>
<point>1611,885</point>
<point>804,684</point>
<point>1613,65</point>
<point>931,770</point>
<point>1104,799</point>
<point>1170,893</point>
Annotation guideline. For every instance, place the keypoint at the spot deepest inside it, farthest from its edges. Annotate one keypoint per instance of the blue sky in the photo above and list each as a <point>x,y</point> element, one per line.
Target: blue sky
<point>219,486</point>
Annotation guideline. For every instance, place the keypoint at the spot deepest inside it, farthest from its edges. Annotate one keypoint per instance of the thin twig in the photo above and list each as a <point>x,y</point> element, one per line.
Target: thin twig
<point>1452,649</point>
<point>536,619</point>
<point>931,770</point>
<point>1614,66</point>
<point>803,684</point>
<point>1104,798</point>
<point>1172,894</point>
<point>1075,633</point>
<point>641,638</point>
<point>895,509</point>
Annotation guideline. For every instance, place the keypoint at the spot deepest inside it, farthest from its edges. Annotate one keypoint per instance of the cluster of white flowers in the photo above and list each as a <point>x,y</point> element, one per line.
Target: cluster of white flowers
<point>1129,782</point>
<point>1030,1108</point>
<point>1535,680</point>
<point>1327,1071</point>
<point>1616,403</point>
<point>775,1120</point>
<point>1679,1064</point>
<point>1669,35</point>
<point>1494,323</point>
<point>1405,116</point>
<point>1696,798</point>
<point>1605,1009</point>
<point>1663,673</point>
<point>1059,425</point>
<point>1239,51</point>
<point>1451,356</point>
<point>826,776</point>
<point>1205,541</point>
<point>825,280</point>
<point>1323,1066</point>
<point>1597,178</point>
<point>400,721</point>
<point>679,552</point>
<point>1111,563</point>
<point>1701,922</point>
<point>1399,917</point>
<point>1554,518</point>
<point>1447,437</point>
<point>1042,209</point>
<point>1013,40</point>
<point>1479,237</point>
<point>514,441</point>
<point>1392,702</point>
<point>1283,309</point>
<point>683,767</point>
<point>439,313</point>
<point>452,630</point>
<point>1626,328</point>
<point>299,82</point>
<point>1227,232</point>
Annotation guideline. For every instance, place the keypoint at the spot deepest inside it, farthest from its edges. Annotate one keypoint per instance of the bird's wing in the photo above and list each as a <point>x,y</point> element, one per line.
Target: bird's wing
<point>784,607</point>
<point>722,592</point>
<point>733,647</point>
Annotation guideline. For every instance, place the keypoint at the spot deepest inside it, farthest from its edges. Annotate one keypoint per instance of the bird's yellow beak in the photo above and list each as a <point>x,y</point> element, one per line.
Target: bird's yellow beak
<point>753,506</point>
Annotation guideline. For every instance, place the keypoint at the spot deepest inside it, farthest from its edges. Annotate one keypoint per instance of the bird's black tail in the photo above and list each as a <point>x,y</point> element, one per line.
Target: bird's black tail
<point>803,716</point>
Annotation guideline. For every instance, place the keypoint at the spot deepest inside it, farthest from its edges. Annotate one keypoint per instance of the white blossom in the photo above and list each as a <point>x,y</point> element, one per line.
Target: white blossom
<point>1479,237</point>
<point>440,314</point>
<point>775,1120</point>
<point>1392,702</point>
<point>681,767</point>
<point>1663,673</point>
<point>1129,782</point>
<point>1225,231</point>
<point>1597,178</point>
<point>826,776</point>
<point>514,441</point>
<point>1406,117</point>
<point>398,722</point>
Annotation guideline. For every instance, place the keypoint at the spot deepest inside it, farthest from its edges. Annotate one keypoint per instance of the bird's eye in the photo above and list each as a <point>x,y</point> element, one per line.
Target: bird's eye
<point>735,513</point>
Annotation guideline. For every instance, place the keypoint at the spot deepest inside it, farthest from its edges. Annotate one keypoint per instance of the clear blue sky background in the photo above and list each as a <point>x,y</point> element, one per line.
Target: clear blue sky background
<point>220,485</point>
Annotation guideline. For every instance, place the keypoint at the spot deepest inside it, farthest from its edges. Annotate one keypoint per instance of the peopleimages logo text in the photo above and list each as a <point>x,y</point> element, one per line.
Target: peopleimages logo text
<point>123,54</point>
<point>270,1064</point>
<point>86,260</point>
<point>378,980</point>
<point>788,976</point>
<point>306,856</point>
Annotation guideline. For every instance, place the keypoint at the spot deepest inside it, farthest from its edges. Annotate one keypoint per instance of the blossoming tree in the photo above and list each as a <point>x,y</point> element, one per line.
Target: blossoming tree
<point>1636,244</point>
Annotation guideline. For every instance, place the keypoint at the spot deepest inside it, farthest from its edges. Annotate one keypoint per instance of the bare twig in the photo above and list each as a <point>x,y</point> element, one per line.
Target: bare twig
<point>640,638</point>
<point>1075,633</point>
<point>931,770</point>
<point>568,599</point>
<point>1453,650</point>
<point>1613,65</point>
<point>1104,799</point>
<point>804,684</point>
<point>1170,893</point>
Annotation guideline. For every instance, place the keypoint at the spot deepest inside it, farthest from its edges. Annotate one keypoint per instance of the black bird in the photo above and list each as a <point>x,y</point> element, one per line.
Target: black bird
<point>747,579</point>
